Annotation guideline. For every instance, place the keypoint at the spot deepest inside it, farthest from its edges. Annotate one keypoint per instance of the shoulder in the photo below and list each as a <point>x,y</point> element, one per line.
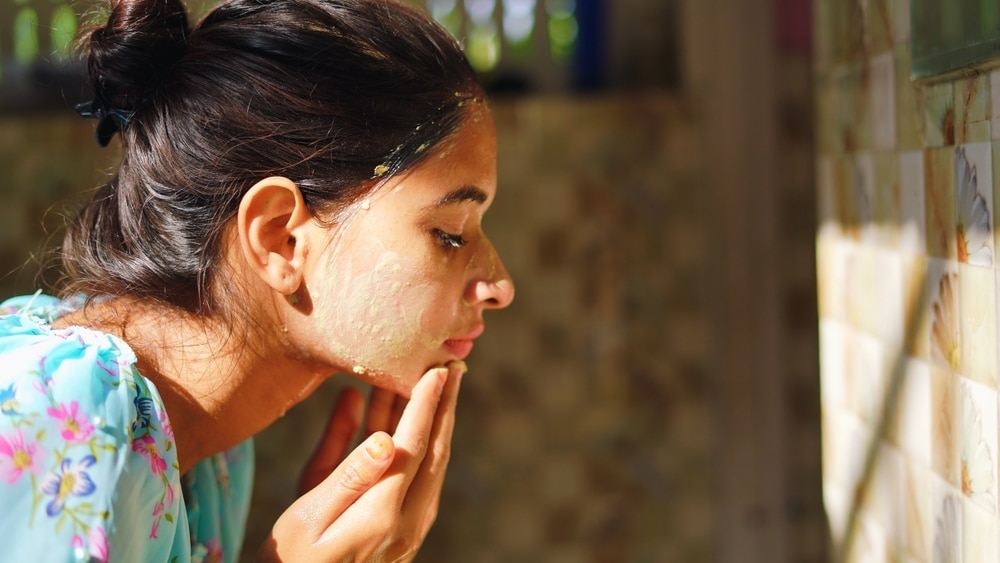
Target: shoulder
<point>86,451</point>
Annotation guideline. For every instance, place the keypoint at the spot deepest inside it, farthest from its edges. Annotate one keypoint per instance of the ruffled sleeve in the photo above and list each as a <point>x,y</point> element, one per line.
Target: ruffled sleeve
<point>88,468</point>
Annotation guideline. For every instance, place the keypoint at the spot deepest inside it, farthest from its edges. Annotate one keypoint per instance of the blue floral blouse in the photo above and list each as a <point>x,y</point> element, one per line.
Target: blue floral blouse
<point>88,464</point>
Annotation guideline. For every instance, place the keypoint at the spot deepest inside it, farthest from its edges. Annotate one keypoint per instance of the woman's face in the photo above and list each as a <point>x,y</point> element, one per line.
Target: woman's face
<point>403,283</point>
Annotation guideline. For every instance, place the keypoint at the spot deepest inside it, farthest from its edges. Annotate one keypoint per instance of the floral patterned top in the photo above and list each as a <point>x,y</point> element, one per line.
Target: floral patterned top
<point>88,465</point>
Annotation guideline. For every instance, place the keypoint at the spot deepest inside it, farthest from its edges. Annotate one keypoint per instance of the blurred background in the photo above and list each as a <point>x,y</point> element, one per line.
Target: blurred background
<point>652,395</point>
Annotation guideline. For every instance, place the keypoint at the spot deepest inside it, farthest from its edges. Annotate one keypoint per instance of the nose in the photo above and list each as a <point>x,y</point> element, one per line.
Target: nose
<point>492,287</point>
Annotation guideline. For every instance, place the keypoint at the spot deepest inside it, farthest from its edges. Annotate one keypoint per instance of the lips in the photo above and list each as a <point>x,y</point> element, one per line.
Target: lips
<point>461,347</point>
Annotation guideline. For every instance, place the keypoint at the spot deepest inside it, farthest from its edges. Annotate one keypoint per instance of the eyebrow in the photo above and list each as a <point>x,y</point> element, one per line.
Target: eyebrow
<point>465,193</point>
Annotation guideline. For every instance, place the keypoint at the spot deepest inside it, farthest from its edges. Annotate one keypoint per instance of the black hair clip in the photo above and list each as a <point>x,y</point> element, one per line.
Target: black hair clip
<point>109,121</point>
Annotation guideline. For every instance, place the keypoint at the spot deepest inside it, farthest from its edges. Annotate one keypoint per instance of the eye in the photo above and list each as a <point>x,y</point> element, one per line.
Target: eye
<point>449,240</point>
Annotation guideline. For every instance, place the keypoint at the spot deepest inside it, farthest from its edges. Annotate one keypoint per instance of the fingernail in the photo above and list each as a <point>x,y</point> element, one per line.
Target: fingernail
<point>377,447</point>
<point>459,366</point>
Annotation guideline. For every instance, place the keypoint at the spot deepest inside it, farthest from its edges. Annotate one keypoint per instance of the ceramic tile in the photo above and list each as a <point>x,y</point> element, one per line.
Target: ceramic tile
<point>910,121</point>
<point>883,101</point>
<point>979,533</point>
<point>887,304</point>
<point>862,197</point>
<point>879,21</point>
<point>947,515</point>
<point>945,344</point>
<point>833,352</point>
<point>917,311</point>
<point>886,507</point>
<point>945,425</point>
<point>911,429</point>
<point>974,204</point>
<point>912,214</point>
<point>901,22</point>
<point>984,187</point>
<point>971,104</point>
<point>995,104</point>
<point>939,114</point>
<point>869,544</point>
<point>916,502</point>
<point>939,201</point>
<point>886,200</point>
<point>977,318</point>
<point>978,444</point>
<point>868,375</point>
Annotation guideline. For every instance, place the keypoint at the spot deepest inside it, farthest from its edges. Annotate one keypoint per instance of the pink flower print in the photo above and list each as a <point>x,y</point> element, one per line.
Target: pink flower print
<point>98,540</point>
<point>18,456</point>
<point>155,530</point>
<point>165,425</point>
<point>146,447</point>
<point>70,479</point>
<point>215,553</point>
<point>76,427</point>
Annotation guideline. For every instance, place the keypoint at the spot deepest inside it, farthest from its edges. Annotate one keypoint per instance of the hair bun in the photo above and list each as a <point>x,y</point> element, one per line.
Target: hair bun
<point>131,54</point>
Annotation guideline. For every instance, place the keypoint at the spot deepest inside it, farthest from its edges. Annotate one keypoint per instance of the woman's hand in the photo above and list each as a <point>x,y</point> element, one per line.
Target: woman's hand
<point>379,503</point>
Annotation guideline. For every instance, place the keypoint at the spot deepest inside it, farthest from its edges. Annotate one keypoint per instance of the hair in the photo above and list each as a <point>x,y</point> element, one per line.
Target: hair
<point>336,95</point>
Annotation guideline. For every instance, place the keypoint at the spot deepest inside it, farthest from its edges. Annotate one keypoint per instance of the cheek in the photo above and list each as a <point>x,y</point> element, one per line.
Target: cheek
<point>383,311</point>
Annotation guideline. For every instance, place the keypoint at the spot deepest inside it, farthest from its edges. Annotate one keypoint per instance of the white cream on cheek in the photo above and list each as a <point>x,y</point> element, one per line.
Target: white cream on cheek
<point>378,310</point>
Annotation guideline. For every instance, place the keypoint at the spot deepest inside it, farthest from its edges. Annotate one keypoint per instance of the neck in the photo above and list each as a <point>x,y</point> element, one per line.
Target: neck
<point>220,384</point>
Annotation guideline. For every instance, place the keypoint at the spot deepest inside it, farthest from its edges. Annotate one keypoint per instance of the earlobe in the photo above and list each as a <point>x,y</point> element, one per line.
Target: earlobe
<point>270,221</point>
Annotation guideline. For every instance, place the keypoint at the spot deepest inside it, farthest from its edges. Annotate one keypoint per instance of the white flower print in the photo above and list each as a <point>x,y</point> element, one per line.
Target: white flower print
<point>973,231</point>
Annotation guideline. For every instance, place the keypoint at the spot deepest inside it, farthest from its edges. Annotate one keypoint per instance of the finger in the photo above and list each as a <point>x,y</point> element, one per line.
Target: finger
<point>380,405</point>
<point>345,418</point>
<point>361,470</point>
<point>417,420</point>
<point>425,490</point>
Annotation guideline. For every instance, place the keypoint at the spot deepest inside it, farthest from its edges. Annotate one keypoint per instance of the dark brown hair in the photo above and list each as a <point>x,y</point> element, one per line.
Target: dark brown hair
<point>333,94</point>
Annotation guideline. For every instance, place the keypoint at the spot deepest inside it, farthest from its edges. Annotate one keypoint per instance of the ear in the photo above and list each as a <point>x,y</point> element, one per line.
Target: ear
<point>271,226</point>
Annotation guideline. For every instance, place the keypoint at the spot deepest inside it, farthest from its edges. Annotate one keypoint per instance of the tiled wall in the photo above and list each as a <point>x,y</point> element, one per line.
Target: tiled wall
<point>908,285</point>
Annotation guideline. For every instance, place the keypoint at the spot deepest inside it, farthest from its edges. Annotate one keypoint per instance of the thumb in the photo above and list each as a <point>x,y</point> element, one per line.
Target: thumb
<point>362,468</point>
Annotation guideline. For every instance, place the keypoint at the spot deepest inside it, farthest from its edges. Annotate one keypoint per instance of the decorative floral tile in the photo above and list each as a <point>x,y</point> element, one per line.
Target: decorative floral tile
<point>945,341</point>
<point>972,119</point>
<point>939,198</point>
<point>947,512</point>
<point>978,444</point>
<point>974,204</point>
<point>938,102</point>
<point>912,215</point>
<point>916,485</point>
<point>945,425</point>
<point>883,101</point>
<point>977,318</point>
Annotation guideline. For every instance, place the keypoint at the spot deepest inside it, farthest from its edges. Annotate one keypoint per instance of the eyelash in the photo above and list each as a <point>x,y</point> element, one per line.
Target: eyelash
<point>448,240</point>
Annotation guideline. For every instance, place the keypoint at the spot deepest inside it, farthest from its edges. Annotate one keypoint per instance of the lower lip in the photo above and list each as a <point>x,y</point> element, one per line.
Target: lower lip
<point>460,348</point>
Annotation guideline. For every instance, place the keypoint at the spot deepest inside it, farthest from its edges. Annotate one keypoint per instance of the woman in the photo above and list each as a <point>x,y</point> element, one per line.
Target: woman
<point>300,193</point>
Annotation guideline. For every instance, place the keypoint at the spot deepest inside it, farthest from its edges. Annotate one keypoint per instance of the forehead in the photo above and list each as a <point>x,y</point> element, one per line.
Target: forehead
<point>462,163</point>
